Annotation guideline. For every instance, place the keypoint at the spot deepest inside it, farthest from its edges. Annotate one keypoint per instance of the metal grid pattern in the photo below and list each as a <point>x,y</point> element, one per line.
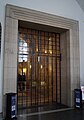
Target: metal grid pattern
<point>39,68</point>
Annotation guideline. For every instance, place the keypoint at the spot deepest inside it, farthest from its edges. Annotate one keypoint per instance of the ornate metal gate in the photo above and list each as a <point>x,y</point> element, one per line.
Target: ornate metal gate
<point>39,68</point>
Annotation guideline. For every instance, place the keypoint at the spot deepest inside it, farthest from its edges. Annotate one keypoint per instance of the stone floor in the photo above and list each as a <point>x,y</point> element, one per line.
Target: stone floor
<point>64,115</point>
<point>50,112</point>
<point>48,107</point>
<point>69,114</point>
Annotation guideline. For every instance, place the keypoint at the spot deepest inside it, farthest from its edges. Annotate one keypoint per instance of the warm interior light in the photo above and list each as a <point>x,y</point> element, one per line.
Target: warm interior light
<point>42,83</point>
<point>30,66</point>
<point>41,66</point>
<point>49,38</point>
<point>50,51</point>
<point>50,68</point>
<point>37,50</point>
<point>24,70</point>
<point>45,51</point>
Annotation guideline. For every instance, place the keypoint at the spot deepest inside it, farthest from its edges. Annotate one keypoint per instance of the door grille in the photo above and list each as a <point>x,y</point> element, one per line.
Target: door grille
<point>39,68</point>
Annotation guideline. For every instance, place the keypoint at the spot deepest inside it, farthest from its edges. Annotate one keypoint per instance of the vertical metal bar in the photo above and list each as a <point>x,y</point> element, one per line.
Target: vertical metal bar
<point>48,68</point>
<point>26,92</point>
<point>22,85</point>
<point>60,69</point>
<point>35,79</point>
<point>52,69</point>
<point>35,70</point>
<point>56,66</point>
<point>40,69</point>
<point>27,85</point>
<point>43,87</point>
<point>17,75</point>
<point>31,67</point>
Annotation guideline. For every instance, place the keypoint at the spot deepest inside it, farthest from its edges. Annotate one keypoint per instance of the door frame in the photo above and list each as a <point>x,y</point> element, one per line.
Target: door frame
<point>69,30</point>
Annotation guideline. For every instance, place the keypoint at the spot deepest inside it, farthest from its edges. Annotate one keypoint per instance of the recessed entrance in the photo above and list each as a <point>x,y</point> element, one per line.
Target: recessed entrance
<point>39,60</point>
<point>39,68</point>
